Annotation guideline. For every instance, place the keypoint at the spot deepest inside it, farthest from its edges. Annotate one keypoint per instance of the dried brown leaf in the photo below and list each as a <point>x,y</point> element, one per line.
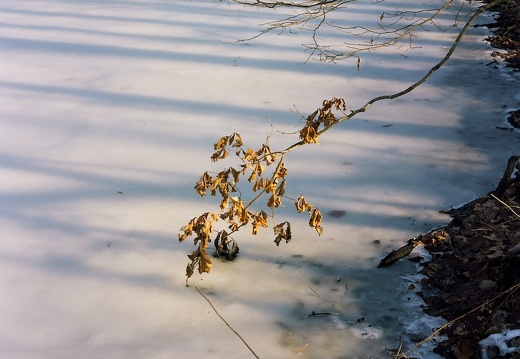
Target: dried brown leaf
<point>280,191</point>
<point>205,263</point>
<point>221,143</point>
<point>282,171</point>
<point>260,219</point>
<point>238,141</point>
<point>250,155</point>
<point>282,231</point>
<point>259,184</point>
<point>235,174</point>
<point>308,134</point>
<point>205,182</point>
<point>189,270</point>
<point>315,221</point>
<point>187,230</point>
<point>302,205</point>
<point>274,201</point>
<point>219,155</point>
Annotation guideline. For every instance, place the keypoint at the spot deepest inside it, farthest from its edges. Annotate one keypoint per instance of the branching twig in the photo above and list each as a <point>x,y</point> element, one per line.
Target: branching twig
<point>229,326</point>
<point>299,351</point>
<point>398,353</point>
<point>391,30</point>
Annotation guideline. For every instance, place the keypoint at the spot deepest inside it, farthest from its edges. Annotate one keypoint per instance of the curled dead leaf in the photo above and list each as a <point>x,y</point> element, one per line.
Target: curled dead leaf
<point>308,134</point>
<point>282,231</point>
<point>302,205</point>
<point>315,221</point>
<point>274,201</point>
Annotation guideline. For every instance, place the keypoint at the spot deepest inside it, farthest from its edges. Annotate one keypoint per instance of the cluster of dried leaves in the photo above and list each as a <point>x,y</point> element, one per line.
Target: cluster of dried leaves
<point>321,118</point>
<point>237,212</point>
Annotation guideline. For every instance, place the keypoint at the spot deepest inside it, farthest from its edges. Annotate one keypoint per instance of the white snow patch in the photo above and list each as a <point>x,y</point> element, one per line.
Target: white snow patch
<point>500,341</point>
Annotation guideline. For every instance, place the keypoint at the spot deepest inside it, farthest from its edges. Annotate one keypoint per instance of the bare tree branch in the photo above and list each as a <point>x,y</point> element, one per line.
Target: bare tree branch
<point>412,87</point>
<point>393,29</point>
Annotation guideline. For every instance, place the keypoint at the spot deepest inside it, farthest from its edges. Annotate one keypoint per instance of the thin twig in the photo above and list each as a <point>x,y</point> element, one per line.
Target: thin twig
<point>436,332</point>
<point>398,354</point>
<point>299,351</point>
<point>230,327</point>
<point>505,204</point>
<point>315,292</point>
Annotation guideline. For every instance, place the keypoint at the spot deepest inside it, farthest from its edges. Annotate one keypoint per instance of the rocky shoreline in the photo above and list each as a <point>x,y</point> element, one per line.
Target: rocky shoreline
<point>474,275</point>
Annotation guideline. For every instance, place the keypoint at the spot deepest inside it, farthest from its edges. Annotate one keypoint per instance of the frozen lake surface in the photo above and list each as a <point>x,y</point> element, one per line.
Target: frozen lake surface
<point>108,114</point>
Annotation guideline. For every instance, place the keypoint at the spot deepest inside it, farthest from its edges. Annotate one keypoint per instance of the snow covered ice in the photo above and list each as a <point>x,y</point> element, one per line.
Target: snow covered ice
<point>108,114</point>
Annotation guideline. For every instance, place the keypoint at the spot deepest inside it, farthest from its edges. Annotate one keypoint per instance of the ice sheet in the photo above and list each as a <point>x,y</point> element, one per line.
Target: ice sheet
<point>108,114</point>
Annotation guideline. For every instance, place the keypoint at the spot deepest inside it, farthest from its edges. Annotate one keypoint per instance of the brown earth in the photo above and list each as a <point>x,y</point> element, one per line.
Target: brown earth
<point>475,273</point>
<point>473,277</point>
<point>506,32</point>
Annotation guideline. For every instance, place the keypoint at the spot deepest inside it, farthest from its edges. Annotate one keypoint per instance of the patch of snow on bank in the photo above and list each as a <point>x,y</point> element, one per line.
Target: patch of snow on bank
<point>500,341</point>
